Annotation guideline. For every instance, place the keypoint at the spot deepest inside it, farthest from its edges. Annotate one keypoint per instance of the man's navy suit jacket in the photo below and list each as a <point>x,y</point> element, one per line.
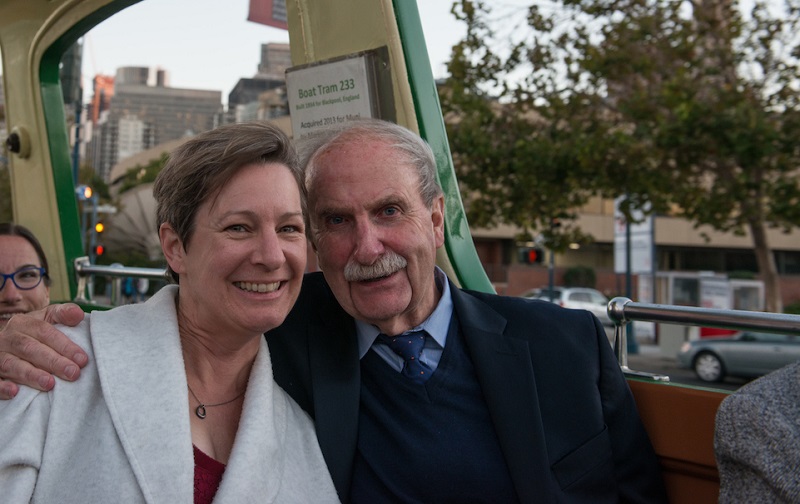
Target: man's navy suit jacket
<point>564,415</point>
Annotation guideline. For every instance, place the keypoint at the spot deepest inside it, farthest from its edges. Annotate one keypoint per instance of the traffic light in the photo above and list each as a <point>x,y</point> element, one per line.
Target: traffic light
<point>531,255</point>
<point>98,249</point>
<point>84,192</point>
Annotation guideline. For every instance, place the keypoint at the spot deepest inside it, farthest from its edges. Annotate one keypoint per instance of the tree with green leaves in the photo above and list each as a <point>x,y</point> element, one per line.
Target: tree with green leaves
<point>690,107</point>
<point>146,174</point>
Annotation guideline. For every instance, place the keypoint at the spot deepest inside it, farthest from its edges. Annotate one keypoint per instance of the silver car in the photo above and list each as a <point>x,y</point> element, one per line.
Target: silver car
<point>746,354</point>
<point>582,298</point>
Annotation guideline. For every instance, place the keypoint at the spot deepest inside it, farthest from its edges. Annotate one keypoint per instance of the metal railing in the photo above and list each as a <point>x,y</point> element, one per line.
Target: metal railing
<point>622,310</point>
<point>85,271</point>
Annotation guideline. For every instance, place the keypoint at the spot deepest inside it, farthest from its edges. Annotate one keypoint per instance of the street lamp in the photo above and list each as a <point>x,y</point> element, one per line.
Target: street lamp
<point>84,192</point>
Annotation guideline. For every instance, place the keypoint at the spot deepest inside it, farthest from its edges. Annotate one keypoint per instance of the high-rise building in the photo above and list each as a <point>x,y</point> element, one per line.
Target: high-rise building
<point>275,59</point>
<point>102,145</point>
<point>70,74</point>
<point>144,112</point>
<point>133,75</point>
<point>144,76</point>
<point>171,112</point>
<point>245,101</point>
<point>130,136</point>
<point>247,90</point>
<point>103,87</point>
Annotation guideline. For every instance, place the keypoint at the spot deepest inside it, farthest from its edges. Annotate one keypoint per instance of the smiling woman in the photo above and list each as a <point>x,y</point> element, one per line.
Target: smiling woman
<point>230,210</point>
<point>25,286</point>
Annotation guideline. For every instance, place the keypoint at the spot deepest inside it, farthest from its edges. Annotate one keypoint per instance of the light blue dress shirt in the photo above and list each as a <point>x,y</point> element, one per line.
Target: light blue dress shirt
<point>436,325</point>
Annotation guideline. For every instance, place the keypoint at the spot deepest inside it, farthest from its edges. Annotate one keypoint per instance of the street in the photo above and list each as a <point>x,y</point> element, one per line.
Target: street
<point>651,360</point>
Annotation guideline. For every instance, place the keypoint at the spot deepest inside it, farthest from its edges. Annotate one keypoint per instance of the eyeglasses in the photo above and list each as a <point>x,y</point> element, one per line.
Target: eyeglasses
<point>25,278</point>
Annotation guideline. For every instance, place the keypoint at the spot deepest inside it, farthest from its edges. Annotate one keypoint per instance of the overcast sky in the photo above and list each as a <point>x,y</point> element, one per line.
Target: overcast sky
<point>205,46</point>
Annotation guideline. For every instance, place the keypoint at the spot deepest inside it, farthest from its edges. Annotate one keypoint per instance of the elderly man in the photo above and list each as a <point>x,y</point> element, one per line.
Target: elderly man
<point>422,392</point>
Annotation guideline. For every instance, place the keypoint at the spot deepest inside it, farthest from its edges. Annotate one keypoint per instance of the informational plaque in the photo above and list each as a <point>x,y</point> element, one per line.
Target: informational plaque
<point>330,93</point>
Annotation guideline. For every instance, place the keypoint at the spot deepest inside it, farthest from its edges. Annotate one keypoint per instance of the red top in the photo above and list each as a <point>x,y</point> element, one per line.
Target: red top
<point>207,476</point>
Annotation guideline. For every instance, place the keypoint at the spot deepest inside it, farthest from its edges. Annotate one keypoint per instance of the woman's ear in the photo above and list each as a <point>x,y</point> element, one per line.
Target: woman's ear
<point>172,247</point>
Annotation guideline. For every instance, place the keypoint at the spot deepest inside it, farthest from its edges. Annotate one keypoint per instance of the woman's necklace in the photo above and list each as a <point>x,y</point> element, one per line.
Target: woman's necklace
<point>200,411</point>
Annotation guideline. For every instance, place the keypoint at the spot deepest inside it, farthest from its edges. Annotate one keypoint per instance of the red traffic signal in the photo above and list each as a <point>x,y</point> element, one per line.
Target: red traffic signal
<point>99,250</point>
<point>532,255</point>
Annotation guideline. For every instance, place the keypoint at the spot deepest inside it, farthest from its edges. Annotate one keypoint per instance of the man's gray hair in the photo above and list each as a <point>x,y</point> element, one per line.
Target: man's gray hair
<point>415,151</point>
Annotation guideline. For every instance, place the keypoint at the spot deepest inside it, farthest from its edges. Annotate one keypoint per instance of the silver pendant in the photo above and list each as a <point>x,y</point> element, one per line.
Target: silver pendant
<point>200,411</point>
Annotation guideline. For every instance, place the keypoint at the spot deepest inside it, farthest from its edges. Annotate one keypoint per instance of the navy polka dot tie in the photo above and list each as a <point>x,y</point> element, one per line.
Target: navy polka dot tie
<point>409,347</point>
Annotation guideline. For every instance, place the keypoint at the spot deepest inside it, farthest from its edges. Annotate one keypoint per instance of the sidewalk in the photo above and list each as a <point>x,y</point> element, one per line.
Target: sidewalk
<point>651,359</point>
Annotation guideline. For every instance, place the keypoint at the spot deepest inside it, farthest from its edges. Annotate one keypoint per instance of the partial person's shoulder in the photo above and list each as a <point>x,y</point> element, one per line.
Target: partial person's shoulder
<point>778,389</point>
<point>79,334</point>
<point>30,398</point>
<point>787,377</point>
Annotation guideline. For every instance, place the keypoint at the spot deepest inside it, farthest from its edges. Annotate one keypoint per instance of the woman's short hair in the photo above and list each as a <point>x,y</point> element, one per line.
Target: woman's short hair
<point>11,229</point>
<point>200,167</point>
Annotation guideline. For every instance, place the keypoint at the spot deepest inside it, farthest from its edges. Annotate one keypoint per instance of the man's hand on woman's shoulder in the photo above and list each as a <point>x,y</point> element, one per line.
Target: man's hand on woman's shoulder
<point>32,350</point>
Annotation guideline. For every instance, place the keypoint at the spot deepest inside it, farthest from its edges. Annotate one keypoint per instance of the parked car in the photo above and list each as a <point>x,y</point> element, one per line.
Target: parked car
<point>747,354</point>
<point>582,298</point>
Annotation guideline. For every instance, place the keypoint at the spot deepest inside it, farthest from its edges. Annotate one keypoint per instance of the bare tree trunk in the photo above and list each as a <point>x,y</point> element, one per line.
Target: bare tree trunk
<point>766,266</point>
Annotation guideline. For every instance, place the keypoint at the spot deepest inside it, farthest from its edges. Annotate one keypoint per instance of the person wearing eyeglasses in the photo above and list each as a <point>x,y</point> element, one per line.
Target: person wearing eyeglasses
<point>25,285</point>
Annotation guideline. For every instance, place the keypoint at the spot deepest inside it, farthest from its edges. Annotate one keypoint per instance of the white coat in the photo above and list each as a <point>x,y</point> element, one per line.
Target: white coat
<point>121,432</point>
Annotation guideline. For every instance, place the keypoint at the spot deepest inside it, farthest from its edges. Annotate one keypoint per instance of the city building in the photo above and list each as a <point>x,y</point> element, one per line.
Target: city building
<point>680,249</point>
<point>103,90</point>
<point>70,75</point>
<point>275,59</point>
<point>247,90</point>
<point>144,111</point>
<point>131,137</point>
<point>262,96</point>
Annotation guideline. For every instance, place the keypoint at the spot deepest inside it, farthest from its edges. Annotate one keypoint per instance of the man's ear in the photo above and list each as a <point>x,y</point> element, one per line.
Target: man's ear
<point>172,246</point>
<point>437,217</point>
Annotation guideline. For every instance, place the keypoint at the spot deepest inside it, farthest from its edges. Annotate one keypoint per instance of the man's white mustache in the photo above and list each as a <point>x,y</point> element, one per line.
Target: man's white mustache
<point>385,266</point>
